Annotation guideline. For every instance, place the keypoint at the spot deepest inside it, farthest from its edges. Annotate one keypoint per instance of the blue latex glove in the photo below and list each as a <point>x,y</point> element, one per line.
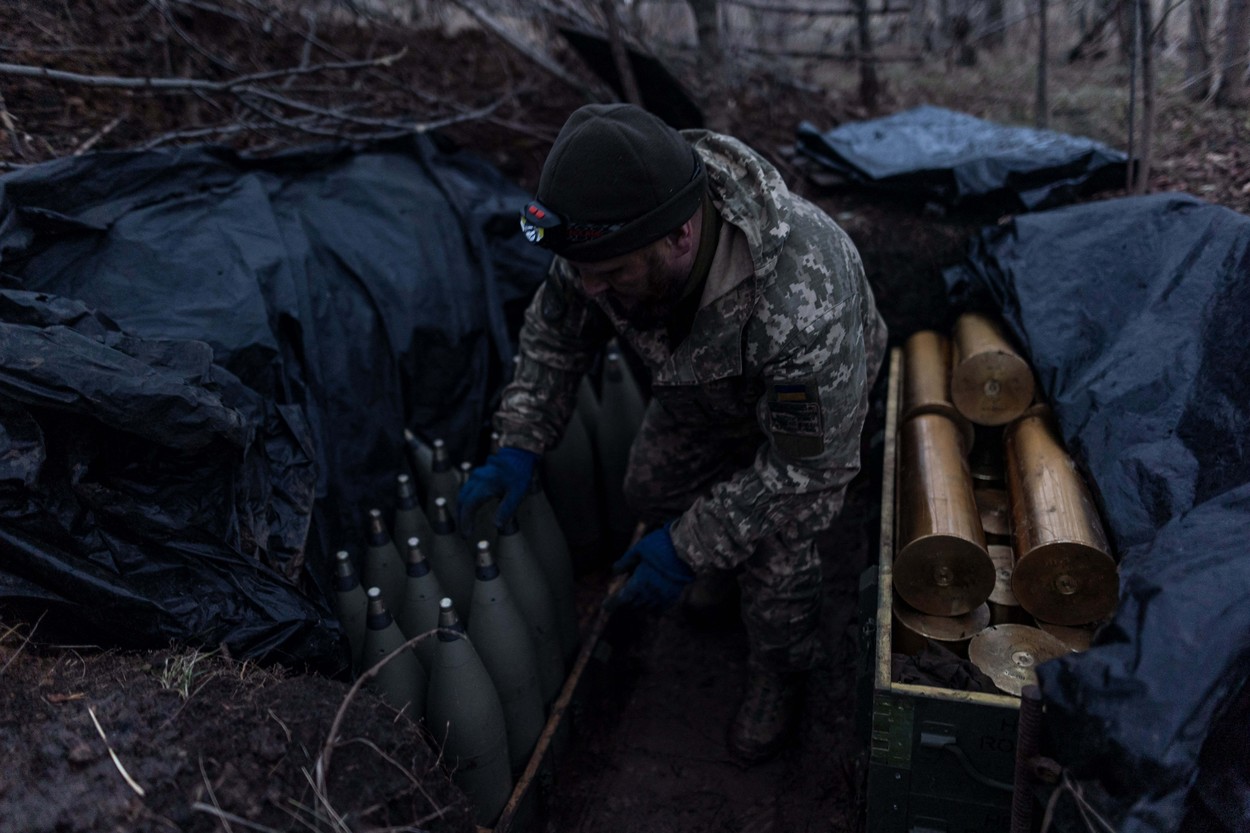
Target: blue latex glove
<point>506,475</point>
<point>659,575</point>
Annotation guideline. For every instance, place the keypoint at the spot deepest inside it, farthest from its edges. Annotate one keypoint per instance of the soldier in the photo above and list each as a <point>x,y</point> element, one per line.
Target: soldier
<point>750,308</point>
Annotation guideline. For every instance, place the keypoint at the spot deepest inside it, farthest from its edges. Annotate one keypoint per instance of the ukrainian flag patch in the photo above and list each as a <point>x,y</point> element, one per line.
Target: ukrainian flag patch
<point>794,418</point>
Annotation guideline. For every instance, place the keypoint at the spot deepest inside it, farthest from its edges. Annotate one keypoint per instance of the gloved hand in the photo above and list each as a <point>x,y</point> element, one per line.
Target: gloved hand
<point>506,475</point>
<point>659,575</point>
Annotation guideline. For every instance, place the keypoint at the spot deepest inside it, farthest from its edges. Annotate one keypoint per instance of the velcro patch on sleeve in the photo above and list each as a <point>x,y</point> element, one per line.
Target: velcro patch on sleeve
<point>794,417</point>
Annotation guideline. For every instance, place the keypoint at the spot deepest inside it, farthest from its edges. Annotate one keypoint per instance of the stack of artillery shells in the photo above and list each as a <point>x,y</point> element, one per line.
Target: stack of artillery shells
<point>994,525</point>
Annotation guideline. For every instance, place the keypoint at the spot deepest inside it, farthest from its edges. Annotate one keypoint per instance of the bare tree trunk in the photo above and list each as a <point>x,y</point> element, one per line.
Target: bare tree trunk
<point>707,32</point>
<point>918,25</point>
<point>1124,16</point>
<point>1145,26</point>
<point>994,24</point>
<point>1041,116</point>
<point>1232,91</point>
<point>869,85</point>
<point>620,56</point>
<point>1198,50</point>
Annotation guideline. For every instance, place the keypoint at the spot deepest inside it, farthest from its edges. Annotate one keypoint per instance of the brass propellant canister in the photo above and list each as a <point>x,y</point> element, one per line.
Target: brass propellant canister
<point>464,715</point>
<point>1009,654</point>
<point>401,682</point>
<point>1004,607</point>
<point>384,567</point>
<point>421,461</point>
<point>534,599</point>
<point>444,480</point>
<point>351,603</point>
<point>941,567</point>
<point>451,558</point>
<point>410,520</point>
<point>422,593</point>
<point>926,381</point>
<point>541,532</point>
<point>912,629</point>
<point>503,641</point>
<point>992,506</point>
<point>621,411</point>
<point>571,481</point>
<point>1064,571</point>
<point>991,384</point>
<point>985,461</point>
<point>1078,638</point>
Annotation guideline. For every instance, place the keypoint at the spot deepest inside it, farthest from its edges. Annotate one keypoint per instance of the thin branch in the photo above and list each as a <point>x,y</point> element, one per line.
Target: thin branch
<point>34,627</point>
<point>185,84</point>
<point>99,134</point>
<point>322,767</point>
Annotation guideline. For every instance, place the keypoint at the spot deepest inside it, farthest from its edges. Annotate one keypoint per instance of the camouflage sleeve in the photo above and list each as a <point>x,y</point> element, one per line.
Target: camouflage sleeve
<point>562,332</point>
<point>811,414</point>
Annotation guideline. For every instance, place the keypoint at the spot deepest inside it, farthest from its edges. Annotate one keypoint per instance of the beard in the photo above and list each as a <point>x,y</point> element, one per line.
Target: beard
<point>661,295</point>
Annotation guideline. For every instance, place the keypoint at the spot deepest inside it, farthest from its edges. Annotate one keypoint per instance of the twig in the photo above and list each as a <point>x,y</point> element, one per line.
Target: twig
<point>179,85</point>
<point>116,761</point>
<point>33,627</point>
<point>416,782</point>
<point>98,135</point>
<point>322,767</point>
<point>15,138</point>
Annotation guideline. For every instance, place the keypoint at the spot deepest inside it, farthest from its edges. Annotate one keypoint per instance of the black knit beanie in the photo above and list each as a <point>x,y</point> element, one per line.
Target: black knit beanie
<point>617,178</point>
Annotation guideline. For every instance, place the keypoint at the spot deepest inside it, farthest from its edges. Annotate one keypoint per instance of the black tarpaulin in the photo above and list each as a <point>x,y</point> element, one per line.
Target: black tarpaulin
<point>208,364</point>
<point>1135,314</point>
<point>956,159</point>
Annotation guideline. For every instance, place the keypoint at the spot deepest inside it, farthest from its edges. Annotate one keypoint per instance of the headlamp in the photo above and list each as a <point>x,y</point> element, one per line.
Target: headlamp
<point>551,231</point>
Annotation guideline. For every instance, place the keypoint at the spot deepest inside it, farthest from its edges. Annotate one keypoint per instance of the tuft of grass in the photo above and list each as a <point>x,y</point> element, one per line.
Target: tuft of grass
<point>183,670</point>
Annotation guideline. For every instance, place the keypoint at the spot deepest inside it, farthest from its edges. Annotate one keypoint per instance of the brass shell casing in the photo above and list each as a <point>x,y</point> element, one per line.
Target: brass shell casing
<point>985,460</point>
<point>991,384</point>
<point>1004,607</point>
<point>1078,638</point>
<point>1009,654</point>
<point>994,510</point>
<point>926,381</point>
<point>941,567</point>
<point>1064,571</point>
<point>913,628</point>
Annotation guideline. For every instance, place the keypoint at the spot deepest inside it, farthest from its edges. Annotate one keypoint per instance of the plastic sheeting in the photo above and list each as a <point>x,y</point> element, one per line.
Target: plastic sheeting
<point>206,366</point>
<point>1135,314</point>
<point>959,160</point>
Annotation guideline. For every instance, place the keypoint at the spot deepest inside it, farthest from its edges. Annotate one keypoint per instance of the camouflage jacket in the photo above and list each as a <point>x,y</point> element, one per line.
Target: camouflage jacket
<point>786,335</point>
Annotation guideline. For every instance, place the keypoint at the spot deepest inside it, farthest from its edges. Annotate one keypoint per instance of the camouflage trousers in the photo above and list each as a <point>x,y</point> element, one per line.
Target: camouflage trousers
<point>672,464</point>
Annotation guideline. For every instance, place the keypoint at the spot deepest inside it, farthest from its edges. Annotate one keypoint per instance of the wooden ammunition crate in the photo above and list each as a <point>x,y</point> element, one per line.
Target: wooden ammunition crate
<point>938,759</point>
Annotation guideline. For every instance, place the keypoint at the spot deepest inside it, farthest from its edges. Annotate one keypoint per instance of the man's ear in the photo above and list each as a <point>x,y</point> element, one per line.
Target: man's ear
<point>682,238</point>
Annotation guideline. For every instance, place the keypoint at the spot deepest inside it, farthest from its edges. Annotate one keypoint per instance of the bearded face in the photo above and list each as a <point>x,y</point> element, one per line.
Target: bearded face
<point>642,287</point>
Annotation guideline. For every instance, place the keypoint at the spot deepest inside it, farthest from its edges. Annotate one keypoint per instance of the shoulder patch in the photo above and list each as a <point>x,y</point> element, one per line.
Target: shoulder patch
<point>794,417</point>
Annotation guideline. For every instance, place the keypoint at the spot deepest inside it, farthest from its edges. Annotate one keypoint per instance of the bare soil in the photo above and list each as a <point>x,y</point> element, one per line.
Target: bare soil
<point>222,737</point>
